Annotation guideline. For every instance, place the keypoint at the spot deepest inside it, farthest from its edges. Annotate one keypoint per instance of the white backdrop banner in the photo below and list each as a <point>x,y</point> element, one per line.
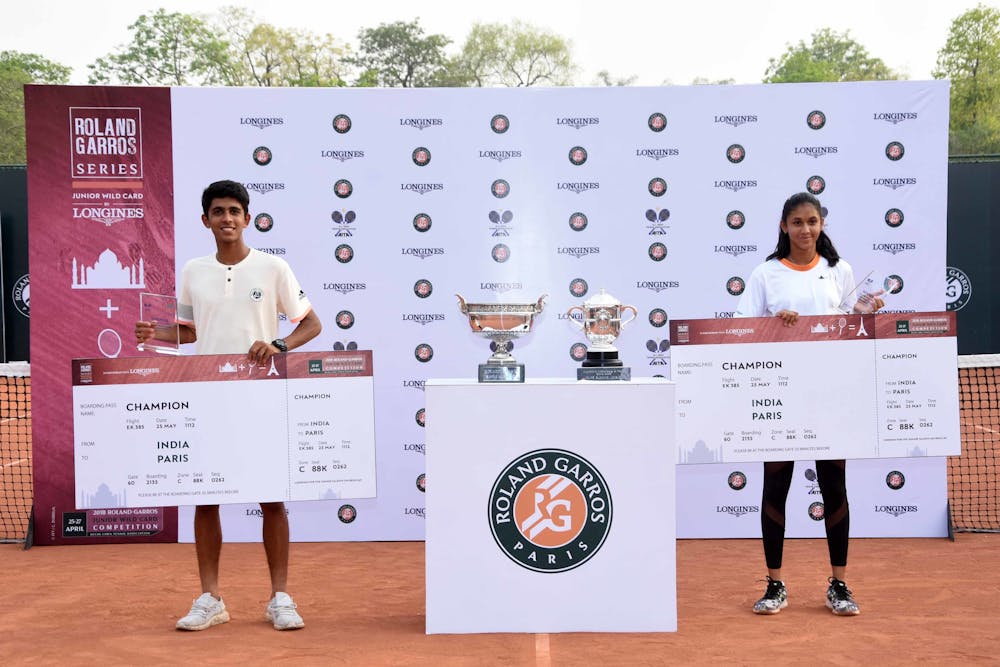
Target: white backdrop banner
<point>387,203</point>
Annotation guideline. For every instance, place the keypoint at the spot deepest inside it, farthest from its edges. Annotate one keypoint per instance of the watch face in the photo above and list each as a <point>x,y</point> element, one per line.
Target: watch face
<point>280,344</point>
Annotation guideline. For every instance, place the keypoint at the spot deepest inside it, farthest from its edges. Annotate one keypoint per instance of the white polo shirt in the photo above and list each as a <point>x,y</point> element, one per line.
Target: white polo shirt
<point>777,284</point>
<point>230,307</point>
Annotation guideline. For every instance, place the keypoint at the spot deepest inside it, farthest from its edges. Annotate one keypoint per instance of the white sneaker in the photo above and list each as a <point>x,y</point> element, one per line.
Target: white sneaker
<point>281,612</point>
<point>205,612</point>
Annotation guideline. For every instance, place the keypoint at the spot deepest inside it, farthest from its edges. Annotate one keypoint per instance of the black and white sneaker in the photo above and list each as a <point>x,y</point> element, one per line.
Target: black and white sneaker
<point>775,598</point>
<point>839,600</point>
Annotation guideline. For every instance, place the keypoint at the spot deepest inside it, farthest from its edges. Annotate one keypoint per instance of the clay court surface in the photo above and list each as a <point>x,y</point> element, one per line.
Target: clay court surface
<point>931,601</point>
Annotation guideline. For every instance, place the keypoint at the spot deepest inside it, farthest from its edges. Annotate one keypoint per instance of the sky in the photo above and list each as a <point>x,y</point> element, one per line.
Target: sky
<point>657,42</point>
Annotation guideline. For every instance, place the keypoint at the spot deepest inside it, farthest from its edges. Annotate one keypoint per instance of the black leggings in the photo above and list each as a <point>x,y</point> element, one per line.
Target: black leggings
<point>837,516</point>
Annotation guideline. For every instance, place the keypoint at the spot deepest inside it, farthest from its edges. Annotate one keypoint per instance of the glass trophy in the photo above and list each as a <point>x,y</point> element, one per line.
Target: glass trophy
<point>161,311</point>
<point>861,300</point>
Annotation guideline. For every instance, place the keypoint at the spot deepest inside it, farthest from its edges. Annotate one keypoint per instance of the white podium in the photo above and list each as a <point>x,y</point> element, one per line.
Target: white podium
<point>550,507</point>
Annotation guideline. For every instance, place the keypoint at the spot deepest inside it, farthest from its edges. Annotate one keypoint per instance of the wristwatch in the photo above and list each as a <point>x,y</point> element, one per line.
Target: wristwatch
<point>280,344</point>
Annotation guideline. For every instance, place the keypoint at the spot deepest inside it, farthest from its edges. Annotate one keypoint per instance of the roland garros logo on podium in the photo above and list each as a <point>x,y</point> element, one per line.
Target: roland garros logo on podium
<point>550,510</point>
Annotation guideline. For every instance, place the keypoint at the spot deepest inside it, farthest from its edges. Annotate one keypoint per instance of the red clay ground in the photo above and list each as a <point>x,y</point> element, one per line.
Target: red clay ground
<point>927,600</point>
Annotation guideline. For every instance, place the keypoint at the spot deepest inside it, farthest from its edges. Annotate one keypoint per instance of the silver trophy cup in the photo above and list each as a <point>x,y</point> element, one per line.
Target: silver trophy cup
<point>501,323</point>
<point>601,322</point>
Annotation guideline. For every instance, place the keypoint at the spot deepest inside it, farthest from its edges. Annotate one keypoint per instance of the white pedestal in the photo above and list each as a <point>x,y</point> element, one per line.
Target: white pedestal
<point>577,537</point>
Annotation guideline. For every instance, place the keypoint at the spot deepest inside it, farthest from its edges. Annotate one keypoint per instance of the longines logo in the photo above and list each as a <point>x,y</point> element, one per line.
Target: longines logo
<point>657,153</point>
<point>657,122</point>
<point>341,123</point>
<point>737,510</point>
<point>500,288</point>
<point>501,223</point>
<point>108,215</point>
<point>423,318</point>
<point>343,221</point>
<point>736,120</point>
<point>657,285</point>
<point>264,188</point>
<point>419,512</point>
<point>422,253</point>
<point>815,151</point>
<point>262,122</point>
<point>657,218</point>
<point>893,248</point>
<point>342,156</point>
<point>895,117</point>
<point>421,123</point>
<point>578,252</point>
<point>500,156</point>
<point>577,123</point>
<point>272,251</point>
<point>415,447</point>
<point>421,188</point>
<point>735,185</point>
<point>894,183</point>
<point>345,288</point>
<point>550,510</point>
<point>577,187</point>
<point>816,119</point>
<point>896,510</point>
<point>735,250</point>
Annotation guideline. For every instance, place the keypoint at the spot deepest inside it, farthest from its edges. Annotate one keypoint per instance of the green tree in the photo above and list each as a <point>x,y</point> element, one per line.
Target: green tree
<point>400,55</point>
<point>16,70</point>
<point>516,55</point>
<point>971,59</point>
<point>604,78</point>
<point>261,54</point>
<point>830,56</point>
<point>170,49</point>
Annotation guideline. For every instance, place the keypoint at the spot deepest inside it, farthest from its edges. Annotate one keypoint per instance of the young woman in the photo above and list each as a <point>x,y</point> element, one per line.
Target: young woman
<point>803,276</point>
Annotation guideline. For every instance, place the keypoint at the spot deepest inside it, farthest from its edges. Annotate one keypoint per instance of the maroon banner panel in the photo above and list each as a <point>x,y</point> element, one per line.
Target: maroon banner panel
<point>100,223</point>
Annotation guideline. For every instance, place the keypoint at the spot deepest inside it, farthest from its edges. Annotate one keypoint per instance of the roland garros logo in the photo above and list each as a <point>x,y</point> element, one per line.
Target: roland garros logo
<point>550,510</point>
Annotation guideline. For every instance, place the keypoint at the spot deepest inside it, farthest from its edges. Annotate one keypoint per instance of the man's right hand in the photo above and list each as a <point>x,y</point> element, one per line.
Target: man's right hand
<point>144,331</point>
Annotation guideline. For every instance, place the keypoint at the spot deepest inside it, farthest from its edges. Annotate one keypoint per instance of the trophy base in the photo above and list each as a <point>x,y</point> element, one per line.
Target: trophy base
<point>605,373</point>
<point>501,372</point>
<point>602,359</point>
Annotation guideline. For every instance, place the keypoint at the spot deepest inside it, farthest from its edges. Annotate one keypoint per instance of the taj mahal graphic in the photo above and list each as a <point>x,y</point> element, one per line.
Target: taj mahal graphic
<point>108,272</point>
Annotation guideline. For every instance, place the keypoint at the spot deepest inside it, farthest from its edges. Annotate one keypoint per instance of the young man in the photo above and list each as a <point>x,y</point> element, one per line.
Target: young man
<point>229,302</point>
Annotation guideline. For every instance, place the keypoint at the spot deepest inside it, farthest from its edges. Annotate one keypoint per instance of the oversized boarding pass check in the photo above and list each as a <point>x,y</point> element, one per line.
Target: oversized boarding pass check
<point>829,387</point>
<point>204,430</point>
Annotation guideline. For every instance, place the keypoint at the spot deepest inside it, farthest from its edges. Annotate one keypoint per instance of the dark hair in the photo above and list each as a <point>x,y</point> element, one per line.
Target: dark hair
<point>824,246</point>
<point>221,189</point>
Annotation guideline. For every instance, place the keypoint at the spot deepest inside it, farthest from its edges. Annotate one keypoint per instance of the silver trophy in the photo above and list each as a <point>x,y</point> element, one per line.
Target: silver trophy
<point>501,323</point>
<point>601,322</point>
